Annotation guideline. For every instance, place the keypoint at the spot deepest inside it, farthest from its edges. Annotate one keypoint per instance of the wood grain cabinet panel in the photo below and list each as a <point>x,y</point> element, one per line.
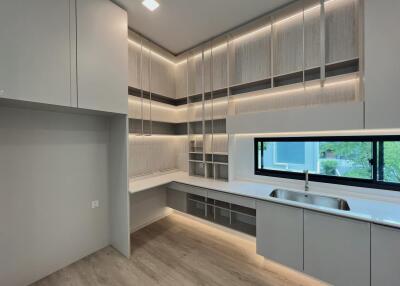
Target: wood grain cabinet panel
<point>195,74</point>
<point>250,57</point>
<point>312,34</point>
<point>35,53</point>
<point>336,249</point>
<point>162,76</point>
<point>134,54</point>
<point>341,30</point>
<point>288,44</point>
<point>181,79</point>
<point>220,66</point>
<point>102,53</point>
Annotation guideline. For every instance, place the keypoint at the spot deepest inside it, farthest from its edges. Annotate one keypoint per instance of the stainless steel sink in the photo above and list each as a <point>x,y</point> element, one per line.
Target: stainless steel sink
<point>312,199</point>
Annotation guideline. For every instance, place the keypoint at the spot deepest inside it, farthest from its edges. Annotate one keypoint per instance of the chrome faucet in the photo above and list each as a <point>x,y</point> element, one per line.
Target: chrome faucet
<point>306,186</point>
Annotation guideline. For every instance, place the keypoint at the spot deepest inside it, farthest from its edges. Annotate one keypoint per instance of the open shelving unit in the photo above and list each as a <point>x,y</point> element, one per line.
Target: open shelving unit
<point>233,216</point>
<point>207,102</point>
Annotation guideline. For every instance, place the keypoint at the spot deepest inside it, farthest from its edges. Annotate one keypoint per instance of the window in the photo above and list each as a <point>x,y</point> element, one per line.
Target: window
<point>359,161</point>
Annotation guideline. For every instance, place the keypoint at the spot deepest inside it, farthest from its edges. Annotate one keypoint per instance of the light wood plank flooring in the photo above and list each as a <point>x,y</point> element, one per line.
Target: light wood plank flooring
<point>179,251</point>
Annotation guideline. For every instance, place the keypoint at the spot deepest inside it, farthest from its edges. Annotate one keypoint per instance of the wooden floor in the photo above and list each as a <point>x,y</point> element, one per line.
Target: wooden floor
<point>178,251</point>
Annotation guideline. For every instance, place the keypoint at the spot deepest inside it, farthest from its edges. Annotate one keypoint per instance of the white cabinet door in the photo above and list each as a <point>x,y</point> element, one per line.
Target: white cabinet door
<point>102,56</point>
<point>336,249</point>
<point>385,256</point>
<point>382,66</point>
<point>35,51</point>
<point>280,233</point>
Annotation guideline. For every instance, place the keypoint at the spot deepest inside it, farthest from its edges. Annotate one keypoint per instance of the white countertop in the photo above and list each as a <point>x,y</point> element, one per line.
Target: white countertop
<point>376,211</point>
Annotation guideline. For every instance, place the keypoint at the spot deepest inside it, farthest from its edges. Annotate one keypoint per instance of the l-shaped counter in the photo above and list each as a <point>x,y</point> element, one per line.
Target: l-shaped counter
<point>379,212</point>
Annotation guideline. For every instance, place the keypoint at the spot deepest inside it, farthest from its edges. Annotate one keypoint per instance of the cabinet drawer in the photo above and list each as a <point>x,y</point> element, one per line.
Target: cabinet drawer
<point>188,189</point>
<point>233,199</point>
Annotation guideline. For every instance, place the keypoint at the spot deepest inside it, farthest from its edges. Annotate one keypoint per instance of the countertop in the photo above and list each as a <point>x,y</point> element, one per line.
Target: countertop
<point>380,212</point>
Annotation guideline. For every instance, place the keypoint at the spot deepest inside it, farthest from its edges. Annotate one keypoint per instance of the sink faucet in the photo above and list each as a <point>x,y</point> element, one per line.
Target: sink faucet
<point>306,186</point>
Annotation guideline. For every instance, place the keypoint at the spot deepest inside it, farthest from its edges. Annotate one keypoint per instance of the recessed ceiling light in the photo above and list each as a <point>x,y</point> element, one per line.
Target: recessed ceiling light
<point>151,4</point>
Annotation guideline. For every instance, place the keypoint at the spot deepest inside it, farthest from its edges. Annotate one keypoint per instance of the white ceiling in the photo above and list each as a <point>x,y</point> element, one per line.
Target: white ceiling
<point>178,25</point>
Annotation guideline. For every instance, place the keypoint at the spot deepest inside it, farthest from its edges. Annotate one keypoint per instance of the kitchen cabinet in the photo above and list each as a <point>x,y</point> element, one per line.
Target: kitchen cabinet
<point>35,51</point>
<point>336,249</point>
<point>288,42</point>
<point>102,56</point>
<point>134,60</point>
<point>176,200</point>
<point>341,30</point>
<point>280,233</point>
<point>385,256</point>
<point>382,66</point>
<point>249,57</point>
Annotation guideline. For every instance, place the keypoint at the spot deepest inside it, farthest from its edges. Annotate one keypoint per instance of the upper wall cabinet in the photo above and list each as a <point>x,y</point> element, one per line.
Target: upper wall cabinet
<point>181,79</point>
<point>249,57</point>
<point>219,66</point>
<point>195,74</point>
<point>162,75</point>
<point>35,51</point>
<point>288,42</point>
<point>134,60</point>
<point>102,54</point>
<point>341,30</point>
<point>150,68</point>
<point>382,65</point>
<point>312,40</point>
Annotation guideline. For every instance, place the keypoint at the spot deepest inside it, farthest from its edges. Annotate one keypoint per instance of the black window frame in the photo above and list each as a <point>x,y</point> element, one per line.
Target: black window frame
<point>377,156</point>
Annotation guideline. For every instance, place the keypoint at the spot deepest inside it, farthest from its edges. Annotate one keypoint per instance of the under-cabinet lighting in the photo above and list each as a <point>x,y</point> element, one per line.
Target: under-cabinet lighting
<point>355,132</point>
<point>252,33</point>
<point>155,104</point>
<point>147,50</point>
<point>150,4</point>
<point>297,89</point>
<point>133,136</point>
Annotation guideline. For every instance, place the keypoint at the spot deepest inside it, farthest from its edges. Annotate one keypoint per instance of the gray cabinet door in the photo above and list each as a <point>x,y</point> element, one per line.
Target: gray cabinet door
<point>102,56</point>
<point>280,233</point>
<point>382,66</point>
<point>336,249</point>
<point>176,200</point>
<point>35,51</point>
<point>385,256</point>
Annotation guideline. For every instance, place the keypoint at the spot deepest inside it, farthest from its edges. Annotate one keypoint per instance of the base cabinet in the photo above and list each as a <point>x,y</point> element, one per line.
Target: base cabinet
<point>280,233</point>
<point>177,200</point>
<point>385,256</point>
<point>337,249</point>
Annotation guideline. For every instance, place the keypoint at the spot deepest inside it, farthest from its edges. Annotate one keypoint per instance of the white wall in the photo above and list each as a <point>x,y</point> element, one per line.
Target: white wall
<point>52,165</point>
